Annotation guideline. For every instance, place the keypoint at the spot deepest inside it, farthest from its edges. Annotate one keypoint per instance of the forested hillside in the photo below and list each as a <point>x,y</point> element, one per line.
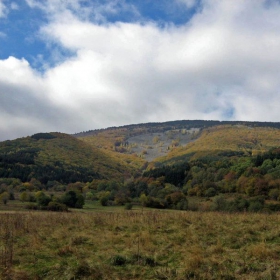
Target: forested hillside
<point>56,157</point>
<point>240,139</point>
<point>197,165</point>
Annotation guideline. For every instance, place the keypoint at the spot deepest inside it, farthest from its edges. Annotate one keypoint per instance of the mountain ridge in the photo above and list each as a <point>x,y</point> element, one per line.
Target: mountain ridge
<point>179,124</point>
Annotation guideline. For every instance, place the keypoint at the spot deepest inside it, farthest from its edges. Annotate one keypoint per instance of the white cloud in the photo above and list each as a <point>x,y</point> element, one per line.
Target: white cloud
<point>188,3</point>
<point>5,6</point>
<point>97,11</point>
<point>14,6</point>
<point>3,9</point>
<point>223,64</point>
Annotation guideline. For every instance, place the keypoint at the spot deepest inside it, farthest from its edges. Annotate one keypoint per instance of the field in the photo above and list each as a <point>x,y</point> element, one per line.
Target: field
<point>139,244</point>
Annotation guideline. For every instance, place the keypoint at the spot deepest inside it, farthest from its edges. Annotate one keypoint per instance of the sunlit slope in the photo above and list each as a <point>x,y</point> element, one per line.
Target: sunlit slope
<point>138,144</point>
<point>50,156</point>
<point>221,139</point>
<point>112,143</point>
<point>135,144</point>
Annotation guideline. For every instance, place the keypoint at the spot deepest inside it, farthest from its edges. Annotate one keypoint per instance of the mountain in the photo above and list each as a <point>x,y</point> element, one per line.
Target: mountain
<point>183,140</point>
<point>119,153</point>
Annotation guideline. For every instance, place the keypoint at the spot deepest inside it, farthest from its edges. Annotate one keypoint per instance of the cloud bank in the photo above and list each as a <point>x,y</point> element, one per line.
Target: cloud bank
<point>223,63</point>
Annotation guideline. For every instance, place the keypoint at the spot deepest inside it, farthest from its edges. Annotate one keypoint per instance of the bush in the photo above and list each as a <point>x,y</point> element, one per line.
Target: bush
<point>274,194</point>
<point>153,202</point>
<point>42,199</point>
<point>193,206</point>
<point>142,260</point>
<point>11,196</point>
<point>80,201</point>
<point>150,261</point>
<point>238,205</point>
<point>55,206</point>
<point>182,205</point>
<point>273,207</point>
<point>4,197</point>
<point>128,206</point>
<point>219,203</point>
<point>255,206</point>
<point>24,196</point>
<point>104,200</point>
<point>210,192</point>
<point>31,206</point>
<point>73,199</point>
<point>118,260</point>
<point>83,270</point>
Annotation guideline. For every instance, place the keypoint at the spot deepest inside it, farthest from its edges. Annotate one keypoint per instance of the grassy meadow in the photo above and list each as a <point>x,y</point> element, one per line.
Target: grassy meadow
<point>139,244</point>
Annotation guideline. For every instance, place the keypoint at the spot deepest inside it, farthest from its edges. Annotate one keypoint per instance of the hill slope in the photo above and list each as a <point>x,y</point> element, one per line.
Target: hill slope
<point>57,156</point>
<point>161,142</point>
<point>239,139</point>
<point>123,152</point>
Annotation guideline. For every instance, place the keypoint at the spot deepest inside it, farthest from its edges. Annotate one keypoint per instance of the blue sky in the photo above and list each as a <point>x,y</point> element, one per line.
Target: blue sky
<point>75,65</point>
<point>20,25</point>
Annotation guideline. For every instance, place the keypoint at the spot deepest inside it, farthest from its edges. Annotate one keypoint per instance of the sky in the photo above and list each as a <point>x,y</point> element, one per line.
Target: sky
<point>78,65</point>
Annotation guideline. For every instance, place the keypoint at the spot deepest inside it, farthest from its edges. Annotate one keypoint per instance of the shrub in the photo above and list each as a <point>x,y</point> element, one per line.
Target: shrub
<point>4,197</point>
<point>42,199</point>
<point>104,200</point>
<point>255,206</point>
<point>89,196</point>
<point>274,194</point>
<point>210,192</point>
<point>238,205</point>
<point>24,196</point>
<point>273,207</point>
<point>193,206</point>
<point>142,260</point>
<point>219,203</point>
<point>80,201</point>
<point>155,203</point>
<point>31,206</point>
<point>11,196</point>
<point>182,205</point>
<point>118,260</point>
<point>128,206</point>
<point>82,270</point>
<point>150,261</point>
<point>69,199</point>
<point>73,199</point>
<point>55,206</point>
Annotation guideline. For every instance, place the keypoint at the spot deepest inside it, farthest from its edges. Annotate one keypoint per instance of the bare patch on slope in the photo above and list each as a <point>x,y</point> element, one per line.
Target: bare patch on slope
<point>153,145</point>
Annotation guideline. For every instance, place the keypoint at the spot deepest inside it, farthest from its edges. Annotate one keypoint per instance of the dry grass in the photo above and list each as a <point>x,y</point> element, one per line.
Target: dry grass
<point>139,245</point>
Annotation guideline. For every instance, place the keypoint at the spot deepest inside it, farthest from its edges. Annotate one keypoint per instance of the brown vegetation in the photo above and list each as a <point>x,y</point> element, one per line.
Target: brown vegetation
<point>139,245</point>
